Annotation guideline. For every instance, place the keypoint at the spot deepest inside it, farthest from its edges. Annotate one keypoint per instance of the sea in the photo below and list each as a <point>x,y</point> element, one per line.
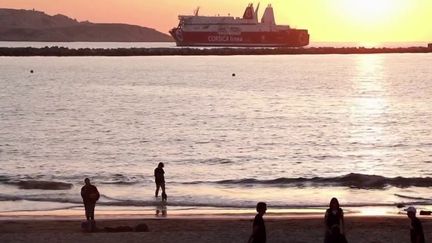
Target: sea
<point>290,130</point>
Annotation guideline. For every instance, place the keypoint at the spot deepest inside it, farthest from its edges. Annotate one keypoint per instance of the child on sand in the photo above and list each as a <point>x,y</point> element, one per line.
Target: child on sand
<point>416,231</point>
<point>334,222</point>
<point>259,231</point>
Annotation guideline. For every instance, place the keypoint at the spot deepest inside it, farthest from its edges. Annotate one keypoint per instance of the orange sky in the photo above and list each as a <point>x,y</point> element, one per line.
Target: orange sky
<point>362,21</point>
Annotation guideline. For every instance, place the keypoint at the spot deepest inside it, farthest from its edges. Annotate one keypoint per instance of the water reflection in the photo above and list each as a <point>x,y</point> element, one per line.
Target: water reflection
<point>368,110</point>
<point>161,209</point>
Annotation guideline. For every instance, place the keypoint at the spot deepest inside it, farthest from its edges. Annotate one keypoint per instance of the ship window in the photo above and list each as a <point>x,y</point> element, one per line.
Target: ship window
<point>206,27</point>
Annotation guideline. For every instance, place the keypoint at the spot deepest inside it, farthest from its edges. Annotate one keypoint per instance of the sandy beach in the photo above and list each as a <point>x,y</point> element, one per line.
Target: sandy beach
<point>287,229</point>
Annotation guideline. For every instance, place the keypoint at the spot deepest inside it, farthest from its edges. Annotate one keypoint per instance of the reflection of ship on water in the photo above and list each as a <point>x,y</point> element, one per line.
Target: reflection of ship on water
<point>195,30</point>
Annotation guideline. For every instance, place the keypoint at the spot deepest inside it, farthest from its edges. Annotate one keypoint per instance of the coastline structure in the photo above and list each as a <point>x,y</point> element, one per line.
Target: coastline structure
<point>63,51</point>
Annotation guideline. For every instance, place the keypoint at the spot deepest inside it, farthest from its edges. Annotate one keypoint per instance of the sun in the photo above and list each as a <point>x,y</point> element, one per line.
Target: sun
<point>371,11</point>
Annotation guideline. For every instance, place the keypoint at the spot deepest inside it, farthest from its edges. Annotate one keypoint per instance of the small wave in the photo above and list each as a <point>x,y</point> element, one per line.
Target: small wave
<point>4,178</point>
<point>412,198</point>
<point>352,180</point>
<point>42,185</point>
<point>114,182</point>
<point>65,182</point>
<point>120,179</point>
<point>76,201</point>
<point>216,161</point>
<point>185,203</point>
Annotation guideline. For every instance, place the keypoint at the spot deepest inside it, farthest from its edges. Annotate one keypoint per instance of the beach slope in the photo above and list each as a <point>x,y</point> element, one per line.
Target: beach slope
<point>294,230</point>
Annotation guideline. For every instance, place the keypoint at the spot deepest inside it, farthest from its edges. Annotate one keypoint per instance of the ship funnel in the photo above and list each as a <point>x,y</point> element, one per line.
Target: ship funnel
<point>256,12</point>
<point>268,17</point>
<point>249,12</point>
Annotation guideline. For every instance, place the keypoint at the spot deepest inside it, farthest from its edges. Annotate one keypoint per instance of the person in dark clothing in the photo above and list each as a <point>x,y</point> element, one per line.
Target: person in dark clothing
<point>334,223</point>
<point>159,175</point>
<point>416,232</point>
<point>90,195</point>
<point>259,230</point>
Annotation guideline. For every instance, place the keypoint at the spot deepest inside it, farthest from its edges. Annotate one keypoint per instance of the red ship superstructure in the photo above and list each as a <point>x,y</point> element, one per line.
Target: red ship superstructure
<point>195,30</point>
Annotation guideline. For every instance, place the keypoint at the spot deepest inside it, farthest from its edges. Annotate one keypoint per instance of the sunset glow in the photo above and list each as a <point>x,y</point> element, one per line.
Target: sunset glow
<point>372,11</point>
<point>361,21</point>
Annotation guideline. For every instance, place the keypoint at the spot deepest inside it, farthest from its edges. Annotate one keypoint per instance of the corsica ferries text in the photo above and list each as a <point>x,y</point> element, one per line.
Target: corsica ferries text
<point>225,38</point>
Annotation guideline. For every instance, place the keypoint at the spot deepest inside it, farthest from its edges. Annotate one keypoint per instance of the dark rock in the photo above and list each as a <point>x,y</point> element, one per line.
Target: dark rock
<point>142,228</point>
<point>118,229</point>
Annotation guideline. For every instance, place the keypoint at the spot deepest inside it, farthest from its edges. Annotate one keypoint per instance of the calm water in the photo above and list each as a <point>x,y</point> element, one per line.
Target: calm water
<point>290,130</point>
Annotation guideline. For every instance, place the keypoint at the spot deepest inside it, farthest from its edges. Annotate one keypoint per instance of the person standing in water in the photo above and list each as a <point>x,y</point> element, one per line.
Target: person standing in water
<point>259,230</point>
<point>334,223</point>
<point>90,195</point>
<point>159,175</point>
<point>416,232</point>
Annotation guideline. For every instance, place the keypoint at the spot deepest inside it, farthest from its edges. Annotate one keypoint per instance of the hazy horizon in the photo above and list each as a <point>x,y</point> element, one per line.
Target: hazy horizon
<point>396,21</point>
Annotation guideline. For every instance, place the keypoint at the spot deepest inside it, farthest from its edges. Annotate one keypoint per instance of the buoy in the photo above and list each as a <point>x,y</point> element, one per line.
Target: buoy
<point>31,71</point>
<point>233,74</point>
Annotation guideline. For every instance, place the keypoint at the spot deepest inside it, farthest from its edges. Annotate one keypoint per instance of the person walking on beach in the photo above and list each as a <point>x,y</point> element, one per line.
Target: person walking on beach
<point>334,223</point>
<point>259,230</point>
<point>90,195</point>
<point>159,175</point>
<point>416,232</point>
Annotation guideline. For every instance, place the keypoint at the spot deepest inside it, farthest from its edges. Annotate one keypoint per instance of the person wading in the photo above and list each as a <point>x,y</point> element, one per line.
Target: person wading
<point>159,175</point>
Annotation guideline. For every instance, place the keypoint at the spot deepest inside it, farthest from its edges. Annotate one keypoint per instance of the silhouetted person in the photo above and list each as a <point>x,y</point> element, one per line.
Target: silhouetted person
<point>90,195</point>
<point>417,235</point>
<point>334,223</point>
<point>259,230</point>
<point>159,174</point>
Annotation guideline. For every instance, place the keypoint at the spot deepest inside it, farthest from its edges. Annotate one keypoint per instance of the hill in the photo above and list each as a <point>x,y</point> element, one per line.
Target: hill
<point>31,25</point>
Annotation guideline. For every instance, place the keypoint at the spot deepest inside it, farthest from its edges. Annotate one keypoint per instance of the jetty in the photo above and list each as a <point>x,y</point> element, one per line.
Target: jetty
<point>63,51</point>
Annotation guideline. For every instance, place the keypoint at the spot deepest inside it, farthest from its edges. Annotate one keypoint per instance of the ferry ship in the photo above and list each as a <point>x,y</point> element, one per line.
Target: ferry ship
<point>195,30</point>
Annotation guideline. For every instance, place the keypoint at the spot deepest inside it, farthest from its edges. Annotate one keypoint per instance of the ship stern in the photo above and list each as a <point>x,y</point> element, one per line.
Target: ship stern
<point>301,38</point>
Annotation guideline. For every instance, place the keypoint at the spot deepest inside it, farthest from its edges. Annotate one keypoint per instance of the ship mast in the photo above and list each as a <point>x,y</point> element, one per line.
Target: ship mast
<point>196,11</point>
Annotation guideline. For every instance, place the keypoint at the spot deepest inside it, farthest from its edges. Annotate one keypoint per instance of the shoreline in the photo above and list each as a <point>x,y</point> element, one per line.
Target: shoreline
<point>173,212</point>
<point>189,51</point>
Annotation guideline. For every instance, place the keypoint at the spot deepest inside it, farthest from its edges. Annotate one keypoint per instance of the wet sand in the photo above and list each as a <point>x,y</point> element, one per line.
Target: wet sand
<point>387,229</point>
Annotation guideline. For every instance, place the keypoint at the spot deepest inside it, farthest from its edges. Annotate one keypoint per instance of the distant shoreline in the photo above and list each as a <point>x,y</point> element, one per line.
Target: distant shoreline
<point>63,51</point>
